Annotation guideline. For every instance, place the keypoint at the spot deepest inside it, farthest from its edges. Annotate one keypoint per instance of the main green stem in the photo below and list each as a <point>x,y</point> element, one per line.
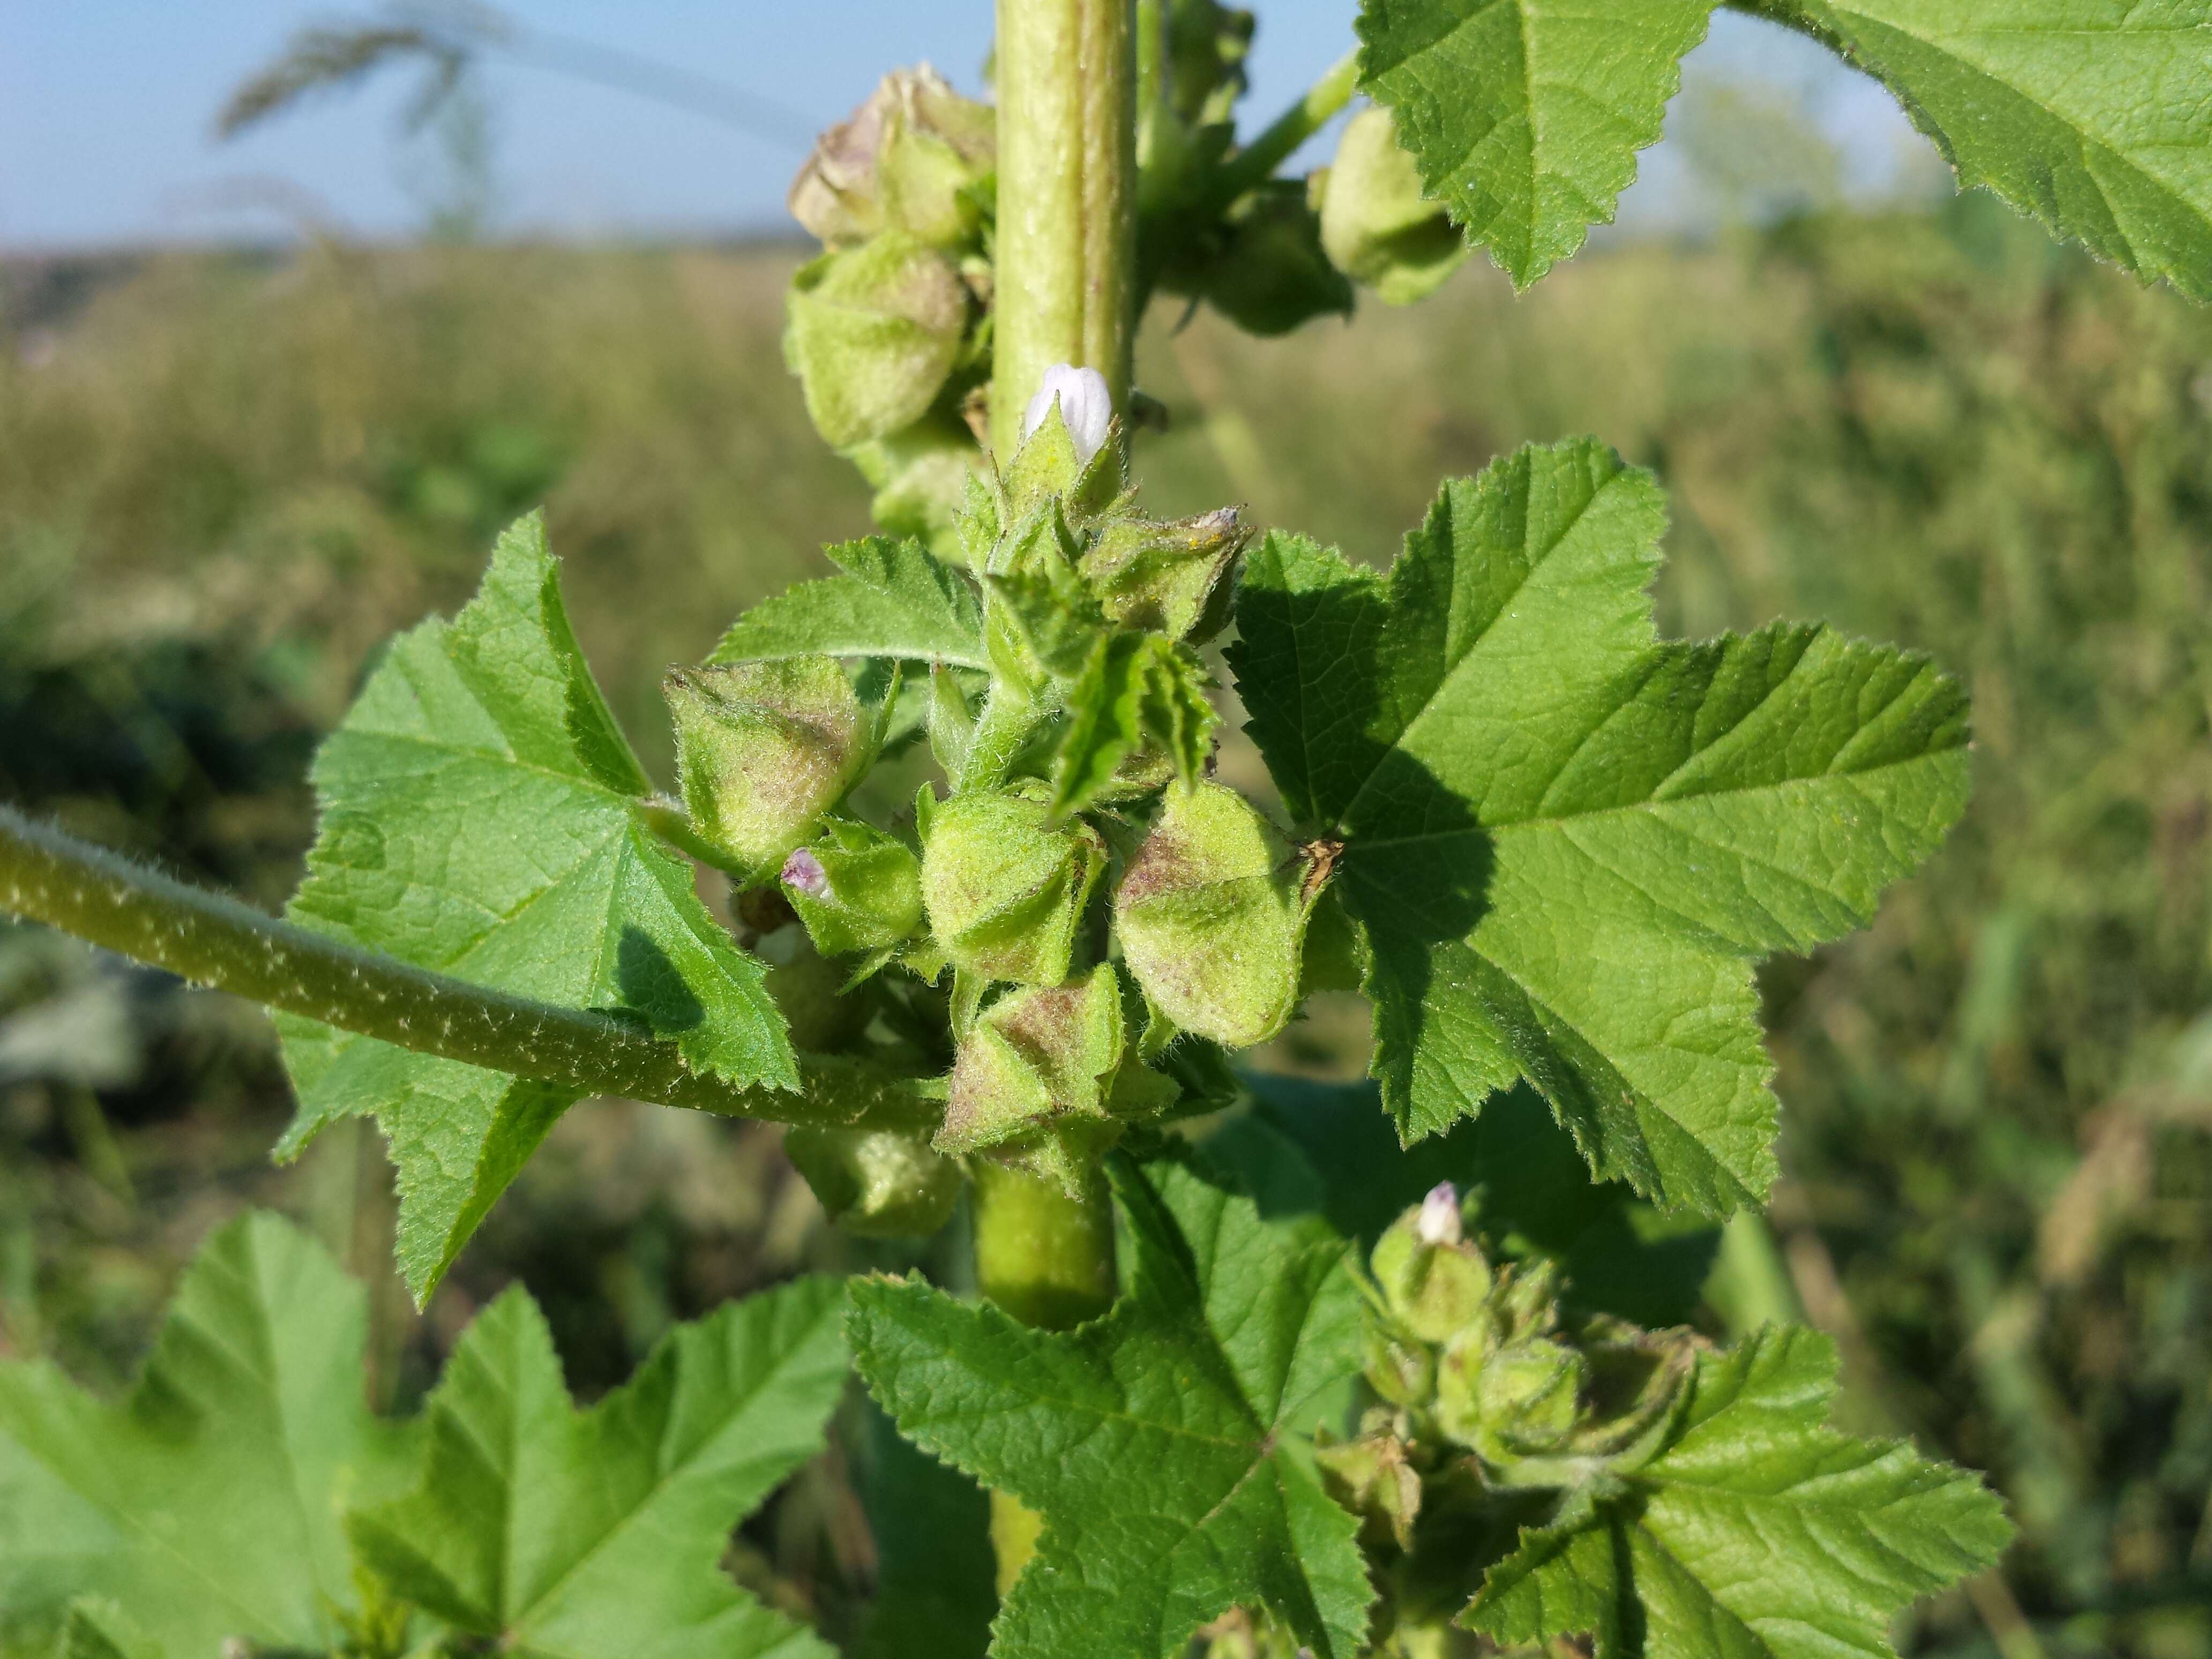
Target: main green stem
<point>50,876</point>
<point>1064,291</point>
<point>1064,288</point>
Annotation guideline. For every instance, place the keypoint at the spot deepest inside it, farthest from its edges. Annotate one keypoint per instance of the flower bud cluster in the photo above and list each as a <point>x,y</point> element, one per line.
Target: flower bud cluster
<point>1487,1382</point>
<point>885,328</point>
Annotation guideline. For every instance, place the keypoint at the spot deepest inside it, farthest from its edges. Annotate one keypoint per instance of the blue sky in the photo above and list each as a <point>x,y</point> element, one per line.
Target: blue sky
<point>105,112</point>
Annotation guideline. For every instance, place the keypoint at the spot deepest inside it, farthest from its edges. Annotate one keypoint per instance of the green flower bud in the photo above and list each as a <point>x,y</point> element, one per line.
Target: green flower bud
<point>1403,1373</point>
<point>763,750</point>
<point>1210,917</point>
<point>1371,1477</point>
<point>876,1183</point>
<point>1434,1282</point>
<point>855,888</point>
<point>1508,1401</point>
<point>1636,1381</point>
<point>907,160</point>
<point>1376,226</point>
<point>1044,1057</point>
<point>872,333</point>
<point>1070,449</point>
<point>1269,273</point>
<point>1003,893</point>
<point>1162,576</point>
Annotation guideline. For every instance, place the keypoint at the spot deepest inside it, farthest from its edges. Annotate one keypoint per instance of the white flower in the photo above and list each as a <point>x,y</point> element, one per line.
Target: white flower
<point>1085,406</point>
<point>1439,1222</point>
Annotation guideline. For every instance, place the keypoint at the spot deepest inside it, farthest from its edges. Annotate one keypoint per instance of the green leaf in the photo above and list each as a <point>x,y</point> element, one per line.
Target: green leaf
<point>601,1533</point>
<point>1760,1532</point>
<point>480,817</point>
<point>1525,116</point>
<point>894,599</point>
<point>1567,841</point>
<point>207,1505</point>
<point>1164,1444</point>
<point>2089,115</point>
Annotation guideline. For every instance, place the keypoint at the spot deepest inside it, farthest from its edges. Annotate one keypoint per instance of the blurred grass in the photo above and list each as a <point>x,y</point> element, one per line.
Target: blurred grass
<point>223,480</point>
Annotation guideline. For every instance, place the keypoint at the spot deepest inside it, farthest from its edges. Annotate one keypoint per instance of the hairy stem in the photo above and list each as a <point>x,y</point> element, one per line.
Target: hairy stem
<point>1064,286</point>
<point>1048,1261</point>
<point>213,940</point>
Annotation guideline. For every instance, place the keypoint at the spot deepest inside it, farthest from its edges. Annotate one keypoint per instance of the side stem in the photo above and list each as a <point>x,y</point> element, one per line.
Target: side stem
<point>209,940</point>
<point>1063,285</point>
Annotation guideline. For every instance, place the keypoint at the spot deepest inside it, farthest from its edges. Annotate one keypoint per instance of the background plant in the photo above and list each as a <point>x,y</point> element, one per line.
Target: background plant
<point>1355,585</point>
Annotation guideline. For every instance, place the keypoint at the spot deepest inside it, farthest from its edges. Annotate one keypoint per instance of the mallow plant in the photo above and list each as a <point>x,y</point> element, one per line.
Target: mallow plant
<point>1257,1367</point>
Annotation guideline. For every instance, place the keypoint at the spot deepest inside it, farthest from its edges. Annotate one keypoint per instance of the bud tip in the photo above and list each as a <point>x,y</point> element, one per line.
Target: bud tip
<point>803,872</point>
<point>1085,406</point>
<point>1438,1224</point>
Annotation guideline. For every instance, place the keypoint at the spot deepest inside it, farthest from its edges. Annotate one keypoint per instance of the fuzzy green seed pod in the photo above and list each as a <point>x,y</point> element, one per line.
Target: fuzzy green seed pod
<point>1400,1371</point>
<point>872,333</point>
<point>876,1183</point>
<point>1434,1281</point>
<point>1519,1399</point>
<point>763,750</point>
<point>855,888</point>
<point>907,160</point>
<point>1212,915</point>
<point>1376,225</point>
<point>1003,892</point>
<point>1164,576</point>
<point>1044,1057</point>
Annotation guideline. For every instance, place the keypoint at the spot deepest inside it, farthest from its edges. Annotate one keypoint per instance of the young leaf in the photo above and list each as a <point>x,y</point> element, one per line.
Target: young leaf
<point>600,1532</point>
<point>1567,841</point>
<point>206,1506</point>
<point>1525,116</point>
<point>2089,116</point>
<point>1158,1442</point>
<point>480,817</point>
<point>1759,1532</point>
<point>894,599</point>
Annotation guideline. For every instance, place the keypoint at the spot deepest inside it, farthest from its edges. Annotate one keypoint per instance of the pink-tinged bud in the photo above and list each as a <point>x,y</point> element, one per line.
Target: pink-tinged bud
<point>1439,1222</point>
<point>1086,407</point>
<point>803,872</point>
<point>763,750</point>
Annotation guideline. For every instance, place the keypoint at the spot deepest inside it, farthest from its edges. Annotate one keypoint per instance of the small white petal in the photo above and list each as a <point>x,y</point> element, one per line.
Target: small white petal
<point>1085,406</point>
<point>1439,1222</point>
<point>802,872</point>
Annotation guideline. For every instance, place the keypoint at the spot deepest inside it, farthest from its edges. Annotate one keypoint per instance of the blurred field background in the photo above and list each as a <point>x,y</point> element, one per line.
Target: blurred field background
<point>225,477</point>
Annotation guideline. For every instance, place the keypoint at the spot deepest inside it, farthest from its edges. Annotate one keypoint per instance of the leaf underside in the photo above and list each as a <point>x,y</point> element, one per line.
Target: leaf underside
<point>598,1534</point>
<point>208,1501</point>
<point>1159,1442</point>
<point>1759,1533</point>
<point>1568,841</point>
<point>2090,116</point>
<point>479,817</point>
<point>1524,116</point>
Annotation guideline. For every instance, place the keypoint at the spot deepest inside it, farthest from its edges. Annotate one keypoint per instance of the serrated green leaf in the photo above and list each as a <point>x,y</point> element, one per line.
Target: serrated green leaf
<point>1162,1443</point>
<point>893,600</point>
<point>1760,1532</point>
<point>1525,116</point>
<point>600,1532</point>
<point>2088,115</point>
<point>479,817</point>
<point>1567,841</point>
<point>1136,688</point>
<point>207,1505</point>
